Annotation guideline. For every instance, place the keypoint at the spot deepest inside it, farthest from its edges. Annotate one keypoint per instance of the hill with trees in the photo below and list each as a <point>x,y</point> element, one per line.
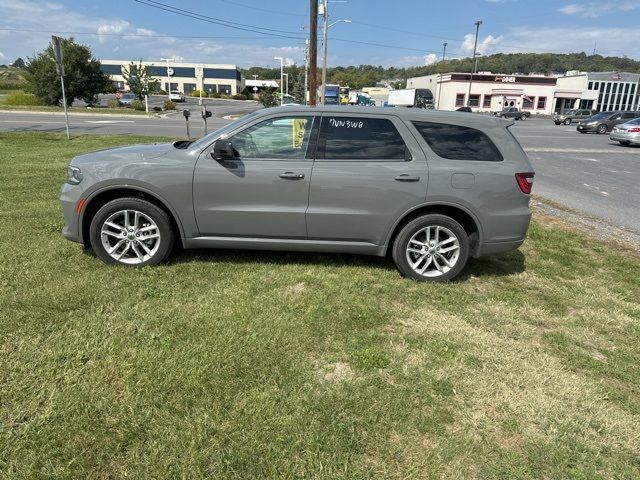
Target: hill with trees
<point>508,63</point>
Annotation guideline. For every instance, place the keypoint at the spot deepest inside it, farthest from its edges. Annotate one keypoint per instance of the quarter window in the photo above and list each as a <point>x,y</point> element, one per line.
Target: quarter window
<point>361,138</point>
<point>456,142</point>
<point>284,138</point>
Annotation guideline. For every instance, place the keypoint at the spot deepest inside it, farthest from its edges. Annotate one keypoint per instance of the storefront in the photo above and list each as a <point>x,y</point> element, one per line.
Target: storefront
<point>186,77</point>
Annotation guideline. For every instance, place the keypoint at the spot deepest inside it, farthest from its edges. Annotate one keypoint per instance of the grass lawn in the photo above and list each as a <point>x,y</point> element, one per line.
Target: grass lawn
<point>47,108</point>
<point>271,365</point>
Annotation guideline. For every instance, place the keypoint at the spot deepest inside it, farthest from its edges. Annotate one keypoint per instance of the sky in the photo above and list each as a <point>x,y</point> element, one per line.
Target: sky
<point>398,33</point>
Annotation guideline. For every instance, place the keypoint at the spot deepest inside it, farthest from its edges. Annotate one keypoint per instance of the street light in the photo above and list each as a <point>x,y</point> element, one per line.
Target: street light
<point>286,83</point>
<point>475,67</point>
<point>281,76</point>
<point>168,78</point>
<point>444,52</point>
<point>475,46</point>
<point>325,14</point>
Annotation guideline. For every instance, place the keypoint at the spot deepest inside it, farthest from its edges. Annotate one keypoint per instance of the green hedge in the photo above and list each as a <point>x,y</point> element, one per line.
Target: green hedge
<point>20,98</point>
<point>196,93</point>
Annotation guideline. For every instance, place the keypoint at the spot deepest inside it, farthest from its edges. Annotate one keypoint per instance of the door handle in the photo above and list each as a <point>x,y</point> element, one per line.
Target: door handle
<point>292,175</point>
<point>407,178</point>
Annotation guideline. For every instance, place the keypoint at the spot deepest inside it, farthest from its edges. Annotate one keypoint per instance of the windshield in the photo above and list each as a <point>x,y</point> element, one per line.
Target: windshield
<point>570,112</point>
<point>207,139</point>
<point>635,121</point>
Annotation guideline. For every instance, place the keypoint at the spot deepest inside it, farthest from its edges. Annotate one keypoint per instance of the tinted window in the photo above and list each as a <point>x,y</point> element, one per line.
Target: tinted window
<point>458,143</point>
<point>361,138</point>
<point>284,138</point>
<point>628,115</point>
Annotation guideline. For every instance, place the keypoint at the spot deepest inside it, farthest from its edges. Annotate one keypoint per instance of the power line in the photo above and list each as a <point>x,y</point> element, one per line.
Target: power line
<point>219,21</point>
<point>259,9</point>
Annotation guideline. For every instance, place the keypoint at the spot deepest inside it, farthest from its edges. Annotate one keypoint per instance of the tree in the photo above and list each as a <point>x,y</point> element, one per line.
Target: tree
<point>19,63</point>
<point>139,80</point>
<point>267,98</point>
<point>297,91</point>
<point>83,77</point>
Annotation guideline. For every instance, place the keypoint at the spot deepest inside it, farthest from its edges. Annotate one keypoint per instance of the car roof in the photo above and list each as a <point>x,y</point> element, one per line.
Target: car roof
<point>407,114</point>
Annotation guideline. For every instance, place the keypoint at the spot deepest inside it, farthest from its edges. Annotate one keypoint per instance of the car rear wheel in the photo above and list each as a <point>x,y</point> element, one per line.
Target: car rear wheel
<point>567,121</point>
<point>431,248</point>
<point>602,129</point>
<point>131,231</point>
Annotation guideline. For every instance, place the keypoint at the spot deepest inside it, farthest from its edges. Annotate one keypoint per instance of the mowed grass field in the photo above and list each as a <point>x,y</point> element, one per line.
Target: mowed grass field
<point>229,364</point>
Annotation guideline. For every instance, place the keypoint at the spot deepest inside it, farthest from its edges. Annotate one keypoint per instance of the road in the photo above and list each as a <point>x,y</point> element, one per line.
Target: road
<point>585,172</point>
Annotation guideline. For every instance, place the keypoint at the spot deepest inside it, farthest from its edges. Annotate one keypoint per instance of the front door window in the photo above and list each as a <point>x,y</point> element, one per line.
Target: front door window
<point>285,138</point>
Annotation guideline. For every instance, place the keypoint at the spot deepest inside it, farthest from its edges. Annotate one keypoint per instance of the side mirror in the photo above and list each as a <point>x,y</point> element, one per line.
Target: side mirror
<point>222,150</point>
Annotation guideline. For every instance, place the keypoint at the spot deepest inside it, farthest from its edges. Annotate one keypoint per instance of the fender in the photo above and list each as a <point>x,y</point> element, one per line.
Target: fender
<point>436,203</point>
<point>133,186</point>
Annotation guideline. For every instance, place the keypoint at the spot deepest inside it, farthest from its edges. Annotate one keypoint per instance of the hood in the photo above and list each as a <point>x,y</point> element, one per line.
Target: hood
<point>131,153</point>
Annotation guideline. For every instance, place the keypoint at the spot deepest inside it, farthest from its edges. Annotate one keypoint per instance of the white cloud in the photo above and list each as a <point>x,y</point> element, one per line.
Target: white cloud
<point>118,36</point>
<point>582,39</point>
<point>430,59</point>
<point>485,45</point>
<point>596,9</point>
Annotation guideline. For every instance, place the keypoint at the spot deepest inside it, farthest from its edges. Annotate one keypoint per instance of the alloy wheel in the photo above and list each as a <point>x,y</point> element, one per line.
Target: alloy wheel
<point>433,251</point>
<point>130,236</point>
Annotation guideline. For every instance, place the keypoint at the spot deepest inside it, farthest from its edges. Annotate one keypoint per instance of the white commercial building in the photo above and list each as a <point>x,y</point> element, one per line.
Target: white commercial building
<point>534,93</point>
<point>186,77</point>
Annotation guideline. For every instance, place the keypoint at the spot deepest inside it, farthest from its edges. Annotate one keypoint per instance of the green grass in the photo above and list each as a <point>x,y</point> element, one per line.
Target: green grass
<point>274,365</point>
<point>47,108</point>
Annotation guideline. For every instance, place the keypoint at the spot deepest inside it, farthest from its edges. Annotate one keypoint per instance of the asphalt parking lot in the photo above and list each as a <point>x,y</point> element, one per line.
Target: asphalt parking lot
<point>586,172</point>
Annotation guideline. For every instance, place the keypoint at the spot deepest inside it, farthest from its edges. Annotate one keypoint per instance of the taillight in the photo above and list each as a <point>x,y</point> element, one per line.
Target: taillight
<point>525,181</point>
<point>634,130</point>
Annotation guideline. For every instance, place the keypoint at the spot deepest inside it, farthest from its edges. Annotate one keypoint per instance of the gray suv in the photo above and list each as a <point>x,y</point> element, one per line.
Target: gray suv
<point>570,116</point>
<point>428,188</point>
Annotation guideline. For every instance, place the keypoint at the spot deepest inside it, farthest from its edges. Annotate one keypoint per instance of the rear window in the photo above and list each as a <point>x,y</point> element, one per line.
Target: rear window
<point>455,142</point>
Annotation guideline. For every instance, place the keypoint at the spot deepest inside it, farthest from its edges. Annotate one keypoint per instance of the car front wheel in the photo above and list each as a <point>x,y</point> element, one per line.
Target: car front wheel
<point>131,231</point>
<point>567,121</point>
<point>431,248</point>
<point>602,129</point>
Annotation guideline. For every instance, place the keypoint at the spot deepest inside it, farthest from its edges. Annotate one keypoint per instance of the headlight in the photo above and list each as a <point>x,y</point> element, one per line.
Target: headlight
<point>74,175</point>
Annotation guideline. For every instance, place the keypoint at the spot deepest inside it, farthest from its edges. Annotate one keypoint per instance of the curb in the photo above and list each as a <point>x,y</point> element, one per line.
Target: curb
<point>86,114</point>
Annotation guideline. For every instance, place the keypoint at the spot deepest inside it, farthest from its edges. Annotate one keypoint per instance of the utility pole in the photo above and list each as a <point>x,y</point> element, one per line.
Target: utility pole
<point>306,70</point>
<point>313,51</point>
<point>444,52</point>
<point>325,32</point>
<point>281,78</point>
<point>475,46</point>
<point>56,43</point>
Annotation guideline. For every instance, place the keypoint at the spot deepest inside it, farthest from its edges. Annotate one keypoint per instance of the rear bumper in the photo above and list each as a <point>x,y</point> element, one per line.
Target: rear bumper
<point>498,247</point>
<point>633,138</point>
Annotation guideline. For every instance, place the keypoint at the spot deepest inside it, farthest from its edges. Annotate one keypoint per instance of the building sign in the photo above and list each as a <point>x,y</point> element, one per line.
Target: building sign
<point>505,79</point>
<point>502,79</point>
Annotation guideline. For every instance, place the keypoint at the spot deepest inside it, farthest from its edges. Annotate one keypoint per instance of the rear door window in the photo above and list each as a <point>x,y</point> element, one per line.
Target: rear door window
<point>455,142</point>
<point>361,138</point>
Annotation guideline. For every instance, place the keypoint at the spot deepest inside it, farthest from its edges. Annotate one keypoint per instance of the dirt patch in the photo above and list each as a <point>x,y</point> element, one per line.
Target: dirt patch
<point>339,372</point>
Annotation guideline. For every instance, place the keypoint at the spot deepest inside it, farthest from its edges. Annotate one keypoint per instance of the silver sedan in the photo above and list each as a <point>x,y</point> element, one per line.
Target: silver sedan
<point>627,133</point>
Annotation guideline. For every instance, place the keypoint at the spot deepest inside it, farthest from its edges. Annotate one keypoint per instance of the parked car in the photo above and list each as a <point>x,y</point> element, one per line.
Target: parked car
<point>126,99</point>
<point>512,112</point>
<point>570,116</point>
<point>176,96</point>
<point>429,188</point>
<point>464,109</point>
<point>604,122</point>
<point>627,133</point>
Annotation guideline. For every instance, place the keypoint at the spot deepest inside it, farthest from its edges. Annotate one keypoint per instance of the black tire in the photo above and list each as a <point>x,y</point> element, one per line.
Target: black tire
<point>156,214</point>
<point>523,117</point>
<point>567,121</point>
<point>624,143</point>
<point>602,129</point>
<point>399,251</point>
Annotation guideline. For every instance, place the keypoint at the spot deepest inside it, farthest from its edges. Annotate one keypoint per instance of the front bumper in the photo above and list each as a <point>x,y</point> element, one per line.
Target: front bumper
<point>587,128</point>
<point>69,197</point>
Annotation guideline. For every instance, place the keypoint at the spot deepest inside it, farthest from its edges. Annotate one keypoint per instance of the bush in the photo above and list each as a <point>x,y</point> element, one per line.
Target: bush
<point>161,92</point>
<point>157,109</point>
<point>169,105</point>
<point>113,103</point>
<point>20,98</point>
<point>196,93</point>
<point>239,97</point>
<point>138,104</point>
<point>214,95</point>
